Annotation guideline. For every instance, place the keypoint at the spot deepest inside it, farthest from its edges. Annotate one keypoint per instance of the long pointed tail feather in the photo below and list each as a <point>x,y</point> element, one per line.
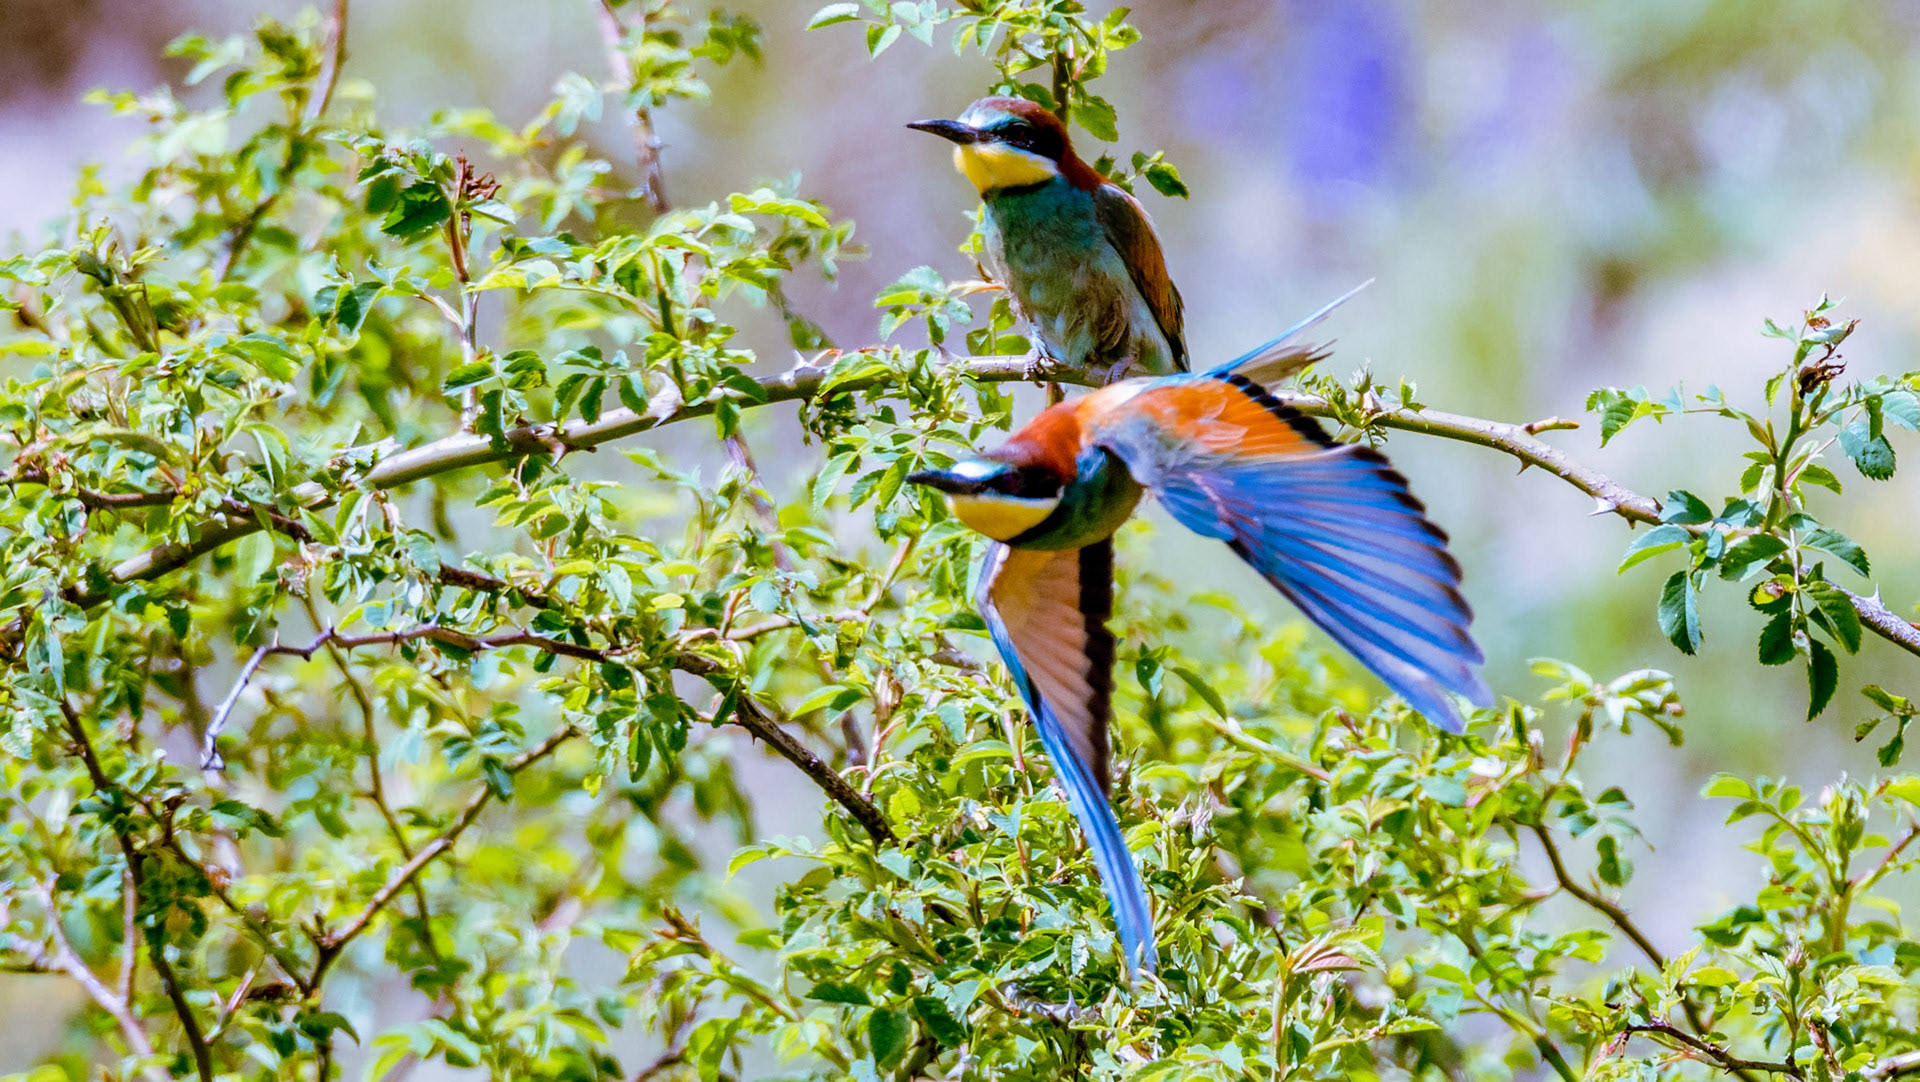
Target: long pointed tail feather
<point>1274,361</point>
<point>1125,891</point>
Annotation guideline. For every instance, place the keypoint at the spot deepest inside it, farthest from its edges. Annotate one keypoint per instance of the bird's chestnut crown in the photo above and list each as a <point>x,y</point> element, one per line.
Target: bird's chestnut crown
<point>1004,143</point>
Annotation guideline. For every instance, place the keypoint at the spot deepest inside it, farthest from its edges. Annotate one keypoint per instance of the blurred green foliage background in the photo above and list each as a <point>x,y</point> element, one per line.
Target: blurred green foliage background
<point>1551,196</point>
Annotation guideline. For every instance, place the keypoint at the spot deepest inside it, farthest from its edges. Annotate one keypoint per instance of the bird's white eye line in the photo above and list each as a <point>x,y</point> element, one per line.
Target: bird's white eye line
<point>974,469</point>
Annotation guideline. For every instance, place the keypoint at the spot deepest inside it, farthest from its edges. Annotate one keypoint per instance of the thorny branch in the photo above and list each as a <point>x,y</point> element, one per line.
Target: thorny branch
<point>401,467</point>
<point>1622,921</point>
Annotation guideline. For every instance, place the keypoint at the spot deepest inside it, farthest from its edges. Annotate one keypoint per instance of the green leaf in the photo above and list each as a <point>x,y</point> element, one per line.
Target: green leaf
<point>422,208</point>
<point>1729,785</point>
<point>1166,180</point>
<point>1652,543</point>
<point>1841,616</point>
<point>1813,473</point>
<point>833,13</point>
<point>1680,613</point>
<point>840,992</point>
<point>940,1022</point>
<point>1776,640</point>
<point>466,375</point>
<point>1685,508</point>
<point>1203,689</point>
<point>1097,116</point>
<point>1888,701</point>
<point>1872,455</point>
<point>1832,541</point>
<point>1614,868</point>
<point>1823,676</point>
<point>1750,554</point>
<point>888,1032</point>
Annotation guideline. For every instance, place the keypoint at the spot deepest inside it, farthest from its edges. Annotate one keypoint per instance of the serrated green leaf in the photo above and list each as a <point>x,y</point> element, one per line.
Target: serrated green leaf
<point>888,1031</point>
<point>1680,613</point>
<point>1832,541</point>
<point>1776,640</point>
<point>1750,554</point>
<point>1660,539</point>
<point>1823,676</point>
<point>1841,616</point>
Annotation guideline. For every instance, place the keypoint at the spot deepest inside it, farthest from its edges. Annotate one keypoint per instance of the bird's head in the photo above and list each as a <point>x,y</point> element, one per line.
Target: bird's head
<point>1010,143</point>
<point>996,494</point>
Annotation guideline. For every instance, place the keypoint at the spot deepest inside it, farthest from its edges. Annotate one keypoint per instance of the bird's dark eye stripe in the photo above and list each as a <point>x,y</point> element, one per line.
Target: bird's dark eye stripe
<point>1028,136</point>
<point>1027,483</point>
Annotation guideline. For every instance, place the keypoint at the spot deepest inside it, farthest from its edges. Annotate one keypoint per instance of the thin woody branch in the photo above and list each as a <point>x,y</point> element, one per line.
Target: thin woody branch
<point>749,713</point>
<point>68,961</point>
<point>332,943</point>
<point>1609,495</point>
<point>646,145</point>
<point>136,873</point>
<point>402,467</point>
<point>1720,1057</point>
<point>1622,921</point>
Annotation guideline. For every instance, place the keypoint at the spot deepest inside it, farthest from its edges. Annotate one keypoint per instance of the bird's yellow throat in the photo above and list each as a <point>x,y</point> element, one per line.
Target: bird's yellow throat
<point>997,165</point>
<point>1002,518</point>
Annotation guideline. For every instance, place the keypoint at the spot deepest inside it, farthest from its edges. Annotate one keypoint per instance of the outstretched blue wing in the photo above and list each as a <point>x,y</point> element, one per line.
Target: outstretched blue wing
<point>1331,526</point>
<point>1047,611</point>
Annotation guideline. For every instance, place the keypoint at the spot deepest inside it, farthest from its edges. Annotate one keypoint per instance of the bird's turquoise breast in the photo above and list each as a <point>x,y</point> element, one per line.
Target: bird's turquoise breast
<point>1068,279</point>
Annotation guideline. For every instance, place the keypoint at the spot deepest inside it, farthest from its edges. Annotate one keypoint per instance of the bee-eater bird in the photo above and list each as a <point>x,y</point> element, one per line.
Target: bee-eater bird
<point>1078,254</point>
<point>1332,526</point>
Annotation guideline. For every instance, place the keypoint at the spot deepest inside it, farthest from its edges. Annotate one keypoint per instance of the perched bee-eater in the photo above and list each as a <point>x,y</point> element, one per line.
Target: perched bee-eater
<point>1330,525</point>
<point>1078,254</point>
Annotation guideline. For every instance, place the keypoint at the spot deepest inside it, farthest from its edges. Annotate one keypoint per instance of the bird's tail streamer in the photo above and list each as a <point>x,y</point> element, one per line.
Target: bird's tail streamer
<point>1276,360</point>
<point>1125,891</point>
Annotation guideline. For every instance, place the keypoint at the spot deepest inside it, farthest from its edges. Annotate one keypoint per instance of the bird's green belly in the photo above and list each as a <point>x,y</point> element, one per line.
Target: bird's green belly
<point>1070,282</point>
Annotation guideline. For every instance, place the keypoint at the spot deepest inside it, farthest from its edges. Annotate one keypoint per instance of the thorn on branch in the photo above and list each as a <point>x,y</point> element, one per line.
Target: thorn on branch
<point>1549,424</point>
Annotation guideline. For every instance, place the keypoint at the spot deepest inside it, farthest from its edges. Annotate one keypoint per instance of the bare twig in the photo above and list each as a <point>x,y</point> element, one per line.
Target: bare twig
<point>1622,921</point>
<point>333,942</point>
<point>646,145</point>
<point>209,747</point>
<point>757,719</point>
<point>156,948</point>
<point>70,963</point>
<point>1714,1053</point>
<point>336,55</point>
<point>1905,1063</point>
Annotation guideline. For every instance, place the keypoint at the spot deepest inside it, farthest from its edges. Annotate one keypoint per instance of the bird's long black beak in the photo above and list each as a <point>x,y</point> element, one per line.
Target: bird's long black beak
<point>945,481</point>
<point>951,130</point>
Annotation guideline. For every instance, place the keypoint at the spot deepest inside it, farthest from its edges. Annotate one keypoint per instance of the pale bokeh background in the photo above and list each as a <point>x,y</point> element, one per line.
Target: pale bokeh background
<point>1551,197</point>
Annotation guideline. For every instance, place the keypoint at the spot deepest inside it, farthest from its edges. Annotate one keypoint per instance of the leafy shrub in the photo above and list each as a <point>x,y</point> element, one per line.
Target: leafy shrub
<point>335,661</point>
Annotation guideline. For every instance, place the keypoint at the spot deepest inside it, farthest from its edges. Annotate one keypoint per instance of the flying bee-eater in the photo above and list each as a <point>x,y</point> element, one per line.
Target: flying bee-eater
<point>1332,526</point>
<point>1077,253</point>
